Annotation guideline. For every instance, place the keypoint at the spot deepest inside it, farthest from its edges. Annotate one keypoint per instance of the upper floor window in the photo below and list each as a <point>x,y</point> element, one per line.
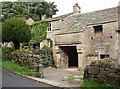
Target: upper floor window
<point>49,26</point>
<point>98,30</point>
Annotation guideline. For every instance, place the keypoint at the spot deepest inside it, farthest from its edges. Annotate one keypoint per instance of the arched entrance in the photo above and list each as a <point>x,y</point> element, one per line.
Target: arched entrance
<point>69,56</point>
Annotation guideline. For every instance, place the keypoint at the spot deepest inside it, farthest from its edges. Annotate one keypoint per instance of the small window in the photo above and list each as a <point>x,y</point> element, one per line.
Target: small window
<point>102,56</point>
<point>49,27</point>
<point>98,30</point>
<point>49,42</point>
<point>118,31</point>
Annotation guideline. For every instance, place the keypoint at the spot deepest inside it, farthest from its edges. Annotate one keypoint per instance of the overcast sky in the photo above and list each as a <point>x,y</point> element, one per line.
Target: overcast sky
<point>66,6</point>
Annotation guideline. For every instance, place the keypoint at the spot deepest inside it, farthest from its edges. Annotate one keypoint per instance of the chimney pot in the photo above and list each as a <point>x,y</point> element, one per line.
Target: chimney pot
<point>76,8</point>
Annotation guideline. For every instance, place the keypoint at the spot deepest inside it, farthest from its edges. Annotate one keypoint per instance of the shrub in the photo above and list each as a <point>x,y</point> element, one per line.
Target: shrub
<point>6,53</point>
<point>46,56</point>
<point>15,30</point>
<point>47,49</point>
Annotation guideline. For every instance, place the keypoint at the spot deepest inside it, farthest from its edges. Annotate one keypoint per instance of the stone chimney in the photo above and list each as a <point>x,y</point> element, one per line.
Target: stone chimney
<point>76,8</point>
<point>44,17</point>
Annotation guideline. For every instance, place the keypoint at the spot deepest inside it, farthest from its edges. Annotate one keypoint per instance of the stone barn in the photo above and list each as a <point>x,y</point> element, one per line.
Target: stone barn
<point>78,39</point>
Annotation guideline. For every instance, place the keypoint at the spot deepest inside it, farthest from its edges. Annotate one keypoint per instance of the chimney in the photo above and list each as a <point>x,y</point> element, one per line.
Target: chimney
<point>44,17</point>
<point>76,8</point>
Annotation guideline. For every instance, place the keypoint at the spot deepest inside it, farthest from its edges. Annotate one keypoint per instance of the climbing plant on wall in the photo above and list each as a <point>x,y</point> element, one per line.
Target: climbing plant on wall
<point>39,31</point>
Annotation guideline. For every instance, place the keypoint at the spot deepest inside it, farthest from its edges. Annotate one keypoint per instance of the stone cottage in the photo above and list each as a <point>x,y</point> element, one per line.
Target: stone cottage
<point>78,39</point>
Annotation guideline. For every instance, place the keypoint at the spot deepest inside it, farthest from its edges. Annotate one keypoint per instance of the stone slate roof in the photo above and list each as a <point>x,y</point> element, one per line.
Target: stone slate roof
<point>30,21</point>
<point>59,17</point>
<point>77,23</point>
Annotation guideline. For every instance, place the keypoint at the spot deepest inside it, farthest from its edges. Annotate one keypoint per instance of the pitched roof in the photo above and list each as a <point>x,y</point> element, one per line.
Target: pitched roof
<point>77,23</point>
<point>30,21</point>
<point>59,17</point>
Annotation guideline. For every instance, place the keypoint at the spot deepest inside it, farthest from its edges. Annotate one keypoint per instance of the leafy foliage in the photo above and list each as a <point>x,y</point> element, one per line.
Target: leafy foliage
<point>47,49</point>
<point>44,8</point>
<point>39,31</point>
<point>46,57</point>
<point>14,9</point>
<point>15,30</point>
<point>28,9</point>
<point>6,53</point>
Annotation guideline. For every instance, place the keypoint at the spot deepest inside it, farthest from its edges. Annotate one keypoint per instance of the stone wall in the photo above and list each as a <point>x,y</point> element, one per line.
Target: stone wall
<point>103,71</point>
<point>26,58</point>
<point>68,38</point>
<point>78,29</point>
<point>105,43</point>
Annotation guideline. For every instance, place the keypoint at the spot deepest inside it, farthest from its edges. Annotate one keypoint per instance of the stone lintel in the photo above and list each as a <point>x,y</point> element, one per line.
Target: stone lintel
<point>57,50</point>
<point>79,51</point>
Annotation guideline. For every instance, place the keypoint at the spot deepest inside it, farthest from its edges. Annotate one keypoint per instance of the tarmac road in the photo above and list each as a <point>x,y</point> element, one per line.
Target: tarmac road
<point>14,80</point>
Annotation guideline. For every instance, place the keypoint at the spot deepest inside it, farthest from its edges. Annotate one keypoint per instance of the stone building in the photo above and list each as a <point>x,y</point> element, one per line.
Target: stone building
<point>30,21</point>
<point>80,38</point>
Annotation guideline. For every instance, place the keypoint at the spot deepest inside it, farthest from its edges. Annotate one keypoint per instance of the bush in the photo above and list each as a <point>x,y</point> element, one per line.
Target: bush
<point>46,56</point>
<point>6,53</point>
<point>47,49</point>
<point>15,30</point>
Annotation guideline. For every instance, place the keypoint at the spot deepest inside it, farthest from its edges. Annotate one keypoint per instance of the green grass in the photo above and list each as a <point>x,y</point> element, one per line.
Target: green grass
<point>76,76</point>
<point>91,84</point>
<point>13,67</point>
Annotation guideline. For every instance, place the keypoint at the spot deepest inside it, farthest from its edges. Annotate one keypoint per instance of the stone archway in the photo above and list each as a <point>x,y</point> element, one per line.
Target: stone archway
<point>69,56</point>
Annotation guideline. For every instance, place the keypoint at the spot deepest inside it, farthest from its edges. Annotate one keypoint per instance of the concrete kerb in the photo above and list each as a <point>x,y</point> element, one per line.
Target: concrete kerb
<point>48,82</point>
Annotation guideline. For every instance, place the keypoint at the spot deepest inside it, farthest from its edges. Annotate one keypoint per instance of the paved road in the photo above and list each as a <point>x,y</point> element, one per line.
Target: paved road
<point>13,80</point>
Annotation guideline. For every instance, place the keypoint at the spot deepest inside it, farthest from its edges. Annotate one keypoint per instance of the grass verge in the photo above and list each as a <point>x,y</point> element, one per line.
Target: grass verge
<point>13,67</point>
<point>75,76</point>
<point>94,85</point>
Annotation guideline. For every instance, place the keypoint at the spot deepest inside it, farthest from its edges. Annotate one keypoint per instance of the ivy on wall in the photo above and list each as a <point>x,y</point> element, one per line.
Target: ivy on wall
<point>39,31</point>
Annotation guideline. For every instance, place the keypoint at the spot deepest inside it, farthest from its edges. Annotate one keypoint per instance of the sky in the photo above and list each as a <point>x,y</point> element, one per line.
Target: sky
<point>66,6</point>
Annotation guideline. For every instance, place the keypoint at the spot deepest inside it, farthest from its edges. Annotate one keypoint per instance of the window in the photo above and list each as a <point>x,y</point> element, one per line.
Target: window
<point>49,26</point>
<point>49,42</point>
<point>118,31</point>
<point>102,56</point>
<point>98,30</point>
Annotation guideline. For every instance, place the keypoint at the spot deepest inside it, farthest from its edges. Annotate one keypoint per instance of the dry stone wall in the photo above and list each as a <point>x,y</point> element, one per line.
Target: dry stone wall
<point>104,71</point>
<point>29,59</point>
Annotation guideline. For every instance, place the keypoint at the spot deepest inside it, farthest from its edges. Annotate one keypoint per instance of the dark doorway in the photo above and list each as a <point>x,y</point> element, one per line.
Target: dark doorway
<point>72,55</point>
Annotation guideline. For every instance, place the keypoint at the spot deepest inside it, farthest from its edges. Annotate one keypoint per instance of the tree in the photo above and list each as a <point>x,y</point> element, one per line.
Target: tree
<point>39,31</point>
<point>44,8</point>
<point>14,9</point>
<point>15,30</point>
<point>28,9</point>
